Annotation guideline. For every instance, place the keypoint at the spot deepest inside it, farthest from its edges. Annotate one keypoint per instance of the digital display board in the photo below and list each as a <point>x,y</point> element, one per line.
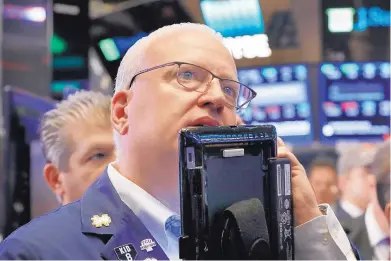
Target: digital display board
<point>61,89</point>
<point>115,48</point>
<point>22,113</point>
<point>233,18</point>
<point>354,101</point>
<point>69,44</point>
<point>355,31</point>
<point>282,100</point>
<point>113,34</point>
<point>28,108</point>
<point>241,24</point>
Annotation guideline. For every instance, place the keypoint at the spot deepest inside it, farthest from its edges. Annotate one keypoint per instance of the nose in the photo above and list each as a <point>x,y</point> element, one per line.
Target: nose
<point>213,98</point>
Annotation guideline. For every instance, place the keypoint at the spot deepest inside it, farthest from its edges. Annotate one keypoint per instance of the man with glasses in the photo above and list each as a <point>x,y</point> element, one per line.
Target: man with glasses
<point>178,76</point>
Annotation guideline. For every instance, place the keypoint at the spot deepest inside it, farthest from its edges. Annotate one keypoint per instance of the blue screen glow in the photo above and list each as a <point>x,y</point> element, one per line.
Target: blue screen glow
<point>233,18</point>
<point>124,43</point>
<point>29,109</point>
<point>282,100</point>
<point>354,101</point>
<point>371,17</point>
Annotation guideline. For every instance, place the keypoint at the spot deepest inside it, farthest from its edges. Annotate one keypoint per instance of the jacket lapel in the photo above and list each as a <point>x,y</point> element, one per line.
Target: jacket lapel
<point>136,239</point>
<point>125,236</point>
<point>101,198</point>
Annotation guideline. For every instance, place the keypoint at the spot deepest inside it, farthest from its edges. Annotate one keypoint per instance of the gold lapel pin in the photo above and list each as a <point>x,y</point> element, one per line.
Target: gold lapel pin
<point>99,221</point>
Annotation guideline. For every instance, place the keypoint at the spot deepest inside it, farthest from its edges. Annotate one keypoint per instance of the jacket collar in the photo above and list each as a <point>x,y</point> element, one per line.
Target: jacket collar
<point>125,228</point>
<point>102,198</point>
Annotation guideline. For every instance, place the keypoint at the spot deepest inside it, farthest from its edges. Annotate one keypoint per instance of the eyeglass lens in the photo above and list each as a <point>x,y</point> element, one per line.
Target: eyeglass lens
<point>197,79</point>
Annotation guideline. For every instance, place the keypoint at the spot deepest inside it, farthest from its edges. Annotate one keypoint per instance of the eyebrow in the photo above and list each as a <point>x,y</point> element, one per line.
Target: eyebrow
<point>222,74</point>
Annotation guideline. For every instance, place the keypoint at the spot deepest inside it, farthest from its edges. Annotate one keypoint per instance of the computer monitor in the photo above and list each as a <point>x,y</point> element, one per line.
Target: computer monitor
<point>356,31</point>
<point>354,101</point>
<point>22,112</point>
<point>113,34</point>
<point>232,18</point>
<point>283,99</point>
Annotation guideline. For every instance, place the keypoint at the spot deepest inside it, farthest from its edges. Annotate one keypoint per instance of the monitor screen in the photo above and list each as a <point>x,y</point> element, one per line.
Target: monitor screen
<point>61,89</point>
<point>282,100</point>
<point>113,34</point>
<point>354,101</point>
<point>356,31</point>
<point>69,46</point>
<point>233,18</point>
<point>22,113</point>
<point>28,109</point>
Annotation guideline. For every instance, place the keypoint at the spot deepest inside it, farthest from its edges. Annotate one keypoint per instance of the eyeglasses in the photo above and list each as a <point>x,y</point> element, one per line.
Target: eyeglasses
<point>196,78</point>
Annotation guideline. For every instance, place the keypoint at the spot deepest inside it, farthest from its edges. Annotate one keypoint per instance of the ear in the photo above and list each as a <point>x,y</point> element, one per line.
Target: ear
<point>52,177</point>
<point>119,113</point>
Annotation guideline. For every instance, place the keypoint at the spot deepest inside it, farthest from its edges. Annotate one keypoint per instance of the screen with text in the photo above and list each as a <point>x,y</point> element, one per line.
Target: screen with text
<point>282,100</point>
<point>354,101</point>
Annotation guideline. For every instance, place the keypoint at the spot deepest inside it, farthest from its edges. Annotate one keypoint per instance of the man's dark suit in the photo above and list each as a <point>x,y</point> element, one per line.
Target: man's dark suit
<point>68,232</point>
<point>357,233</point>
<point>340,213</point>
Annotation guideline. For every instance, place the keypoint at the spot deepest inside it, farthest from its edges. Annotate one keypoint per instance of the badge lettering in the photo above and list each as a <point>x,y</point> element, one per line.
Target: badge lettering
<point>126,252</point>
<point>147,244</point>
<point>128,256</point>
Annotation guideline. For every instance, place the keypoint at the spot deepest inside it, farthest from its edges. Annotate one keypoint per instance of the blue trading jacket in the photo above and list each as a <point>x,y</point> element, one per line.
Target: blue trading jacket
<point>82,231</point>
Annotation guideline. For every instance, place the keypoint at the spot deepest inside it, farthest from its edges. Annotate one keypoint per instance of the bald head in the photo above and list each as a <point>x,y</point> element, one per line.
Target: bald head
<point>172,37</point>
<point>189,45</point>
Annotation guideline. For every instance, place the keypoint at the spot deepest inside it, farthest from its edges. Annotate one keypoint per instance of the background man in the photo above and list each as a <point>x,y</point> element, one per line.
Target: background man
<point>324,180</point>
<point>356,181</point>
<point>376,220</point>
<point>370,232</point>
<point>178,76</point>
<point>77,140</point>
